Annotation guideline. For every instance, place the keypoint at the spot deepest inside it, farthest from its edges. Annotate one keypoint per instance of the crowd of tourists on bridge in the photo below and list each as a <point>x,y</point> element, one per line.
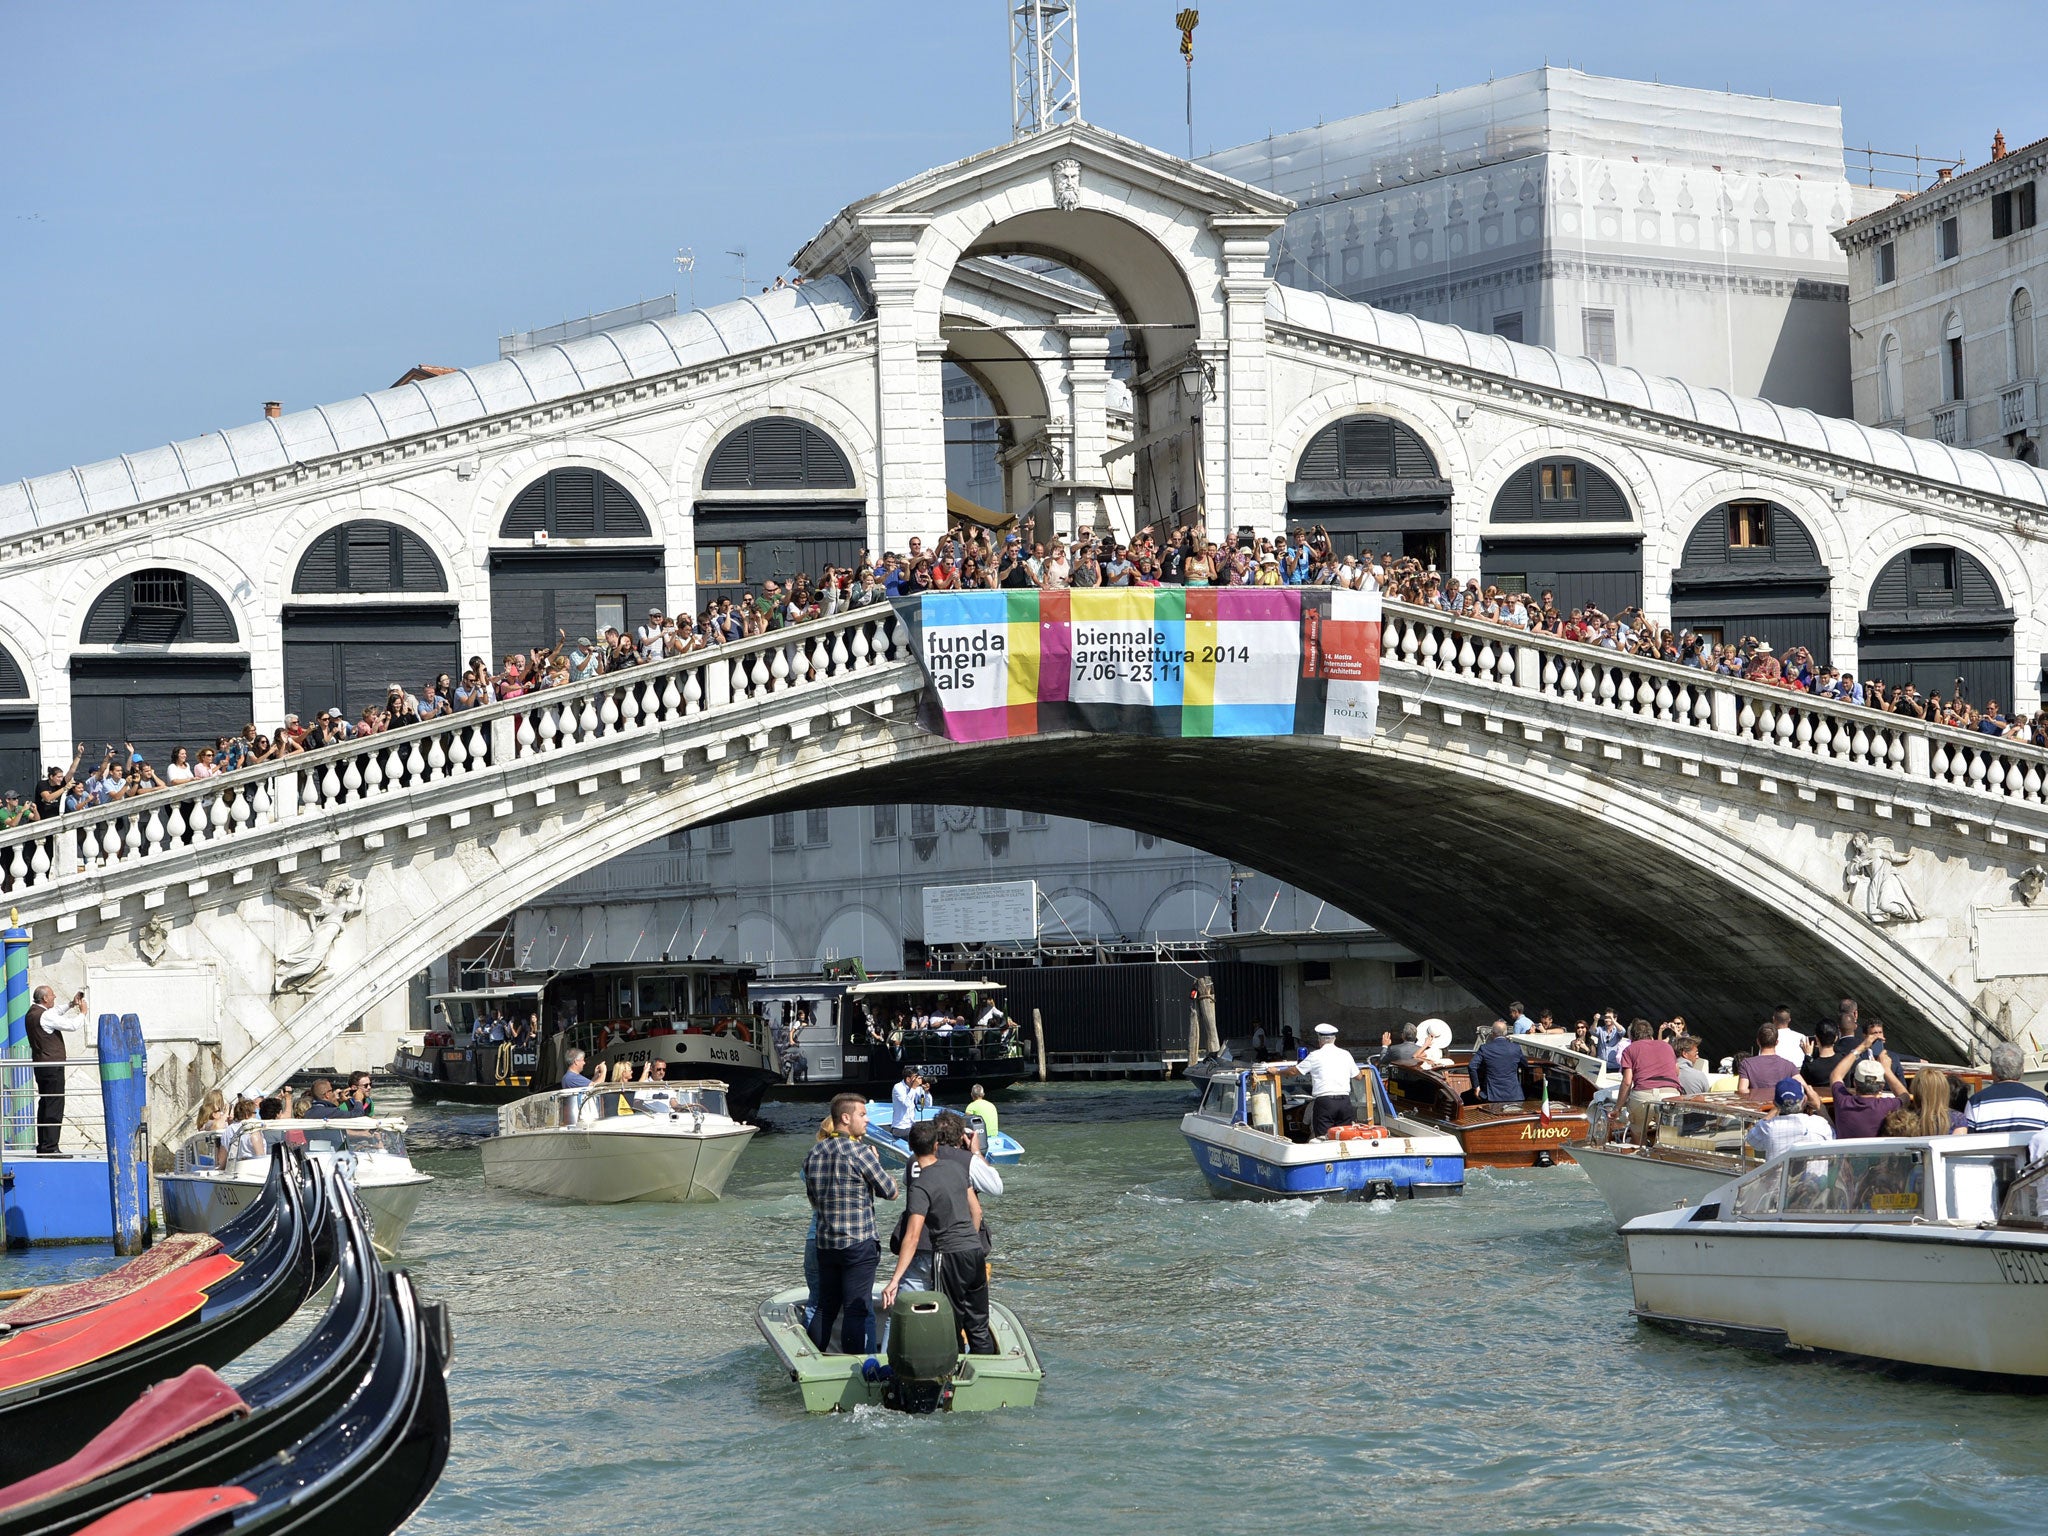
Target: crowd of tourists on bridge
<point>969,557</point>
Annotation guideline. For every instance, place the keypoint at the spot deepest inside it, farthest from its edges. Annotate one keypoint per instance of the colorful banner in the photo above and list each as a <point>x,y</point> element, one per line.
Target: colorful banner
<point>1148,661</point>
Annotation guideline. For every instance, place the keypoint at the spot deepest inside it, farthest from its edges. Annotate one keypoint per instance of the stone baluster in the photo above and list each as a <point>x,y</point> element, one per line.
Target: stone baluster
<point>352,778</point>
<point>608,712</point>
<point>673,701</point>
<point>522,735</point>
<point>1938,760</point>
<point>2015,780</point>
<point>888,635</point>
<point>841,661</point>
<point>329,794</point>
<point>632,705</point>
<point>863,653</point>
<point>437,757</point>
<point>218,817</point>
<point>131,840</point>
<point>175,826</point>
<point>757,676</point>
<point>779,678</point>
<point>458,750</point>
<point>692,702</point>
<point>374,774</point>
<point>1974,774</point>
<point>17,868</point>
<point>44,860</point>
<point>2036,783</point>
<point>585,718</point>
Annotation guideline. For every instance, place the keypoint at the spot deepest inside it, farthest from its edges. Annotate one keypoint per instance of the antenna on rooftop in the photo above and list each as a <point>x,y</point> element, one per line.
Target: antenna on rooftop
<point>740,256</point>
<point>1045,65</point>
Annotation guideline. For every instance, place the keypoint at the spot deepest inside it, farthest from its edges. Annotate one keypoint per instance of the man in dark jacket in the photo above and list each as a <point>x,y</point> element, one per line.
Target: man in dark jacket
<point>46,1031</point>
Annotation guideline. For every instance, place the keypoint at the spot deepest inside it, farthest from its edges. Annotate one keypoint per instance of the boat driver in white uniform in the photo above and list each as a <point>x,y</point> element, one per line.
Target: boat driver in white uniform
<point>1329,1069</point>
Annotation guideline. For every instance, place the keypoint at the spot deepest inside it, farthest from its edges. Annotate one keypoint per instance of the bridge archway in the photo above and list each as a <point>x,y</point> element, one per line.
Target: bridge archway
<point>1937,619</point>
<point>1751,566</point>
<point>1377,485</point>
<point>576,552</point>
<point>779,496</point>
<point>369,606</point>
<point>162,663</point>
<point>1562,523</point>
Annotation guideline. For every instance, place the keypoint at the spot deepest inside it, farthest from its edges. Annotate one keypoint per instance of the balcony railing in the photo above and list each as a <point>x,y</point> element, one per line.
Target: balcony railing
<point>1948,425</point>
<point>2016,407</point>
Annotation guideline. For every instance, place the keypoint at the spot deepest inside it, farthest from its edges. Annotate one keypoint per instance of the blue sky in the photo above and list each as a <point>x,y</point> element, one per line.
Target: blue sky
<point>206,206</point>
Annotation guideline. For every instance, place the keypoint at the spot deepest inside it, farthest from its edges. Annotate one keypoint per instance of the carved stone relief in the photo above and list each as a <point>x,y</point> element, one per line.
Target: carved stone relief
<point>325,910</point>
<point>1871,879</point>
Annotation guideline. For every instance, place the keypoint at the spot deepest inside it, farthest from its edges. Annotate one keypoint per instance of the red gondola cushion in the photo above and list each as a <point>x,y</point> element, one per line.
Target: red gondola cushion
<point>164,1413</point>
<point>167,1514</point>
<point>40,1353</point>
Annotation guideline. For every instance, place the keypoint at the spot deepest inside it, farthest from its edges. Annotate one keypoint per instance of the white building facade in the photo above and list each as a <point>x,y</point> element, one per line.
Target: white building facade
<point>1671,230</point>
<point>1945,288</point>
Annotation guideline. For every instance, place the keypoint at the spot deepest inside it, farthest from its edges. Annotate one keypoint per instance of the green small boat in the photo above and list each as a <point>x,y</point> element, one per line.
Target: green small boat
<point>833,1383</point>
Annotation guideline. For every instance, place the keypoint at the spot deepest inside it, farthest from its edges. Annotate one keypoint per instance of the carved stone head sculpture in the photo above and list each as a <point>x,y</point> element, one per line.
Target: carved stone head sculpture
<point>1066,185</point>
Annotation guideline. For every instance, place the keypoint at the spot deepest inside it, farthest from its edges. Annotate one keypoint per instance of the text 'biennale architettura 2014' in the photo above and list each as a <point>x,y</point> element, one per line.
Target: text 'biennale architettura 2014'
<point>1163,661</point>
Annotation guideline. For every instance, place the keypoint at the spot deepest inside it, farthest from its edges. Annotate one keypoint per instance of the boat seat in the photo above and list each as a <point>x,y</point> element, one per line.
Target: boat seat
<point>36,1354</point>
<point>166,1412</point>
<point>168,1514</point>
<point>47,1303</point>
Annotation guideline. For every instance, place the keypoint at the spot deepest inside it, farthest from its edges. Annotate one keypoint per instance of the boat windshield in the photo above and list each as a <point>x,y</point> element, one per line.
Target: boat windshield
<point>1821,1184</point>
<point>252,1140</point>
<point>663,1101</point>
<point>2026,1203</point>
<point>1710,1125</point>
<point>1219,1102</point>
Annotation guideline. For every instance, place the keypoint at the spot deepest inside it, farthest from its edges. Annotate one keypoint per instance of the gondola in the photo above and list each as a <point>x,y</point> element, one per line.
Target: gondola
<point>62,1382</point>
<point>195,1430</point>
<point>361,1473</point>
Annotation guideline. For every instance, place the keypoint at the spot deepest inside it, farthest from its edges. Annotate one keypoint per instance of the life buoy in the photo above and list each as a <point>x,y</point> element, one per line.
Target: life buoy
<point>1358,1133</point>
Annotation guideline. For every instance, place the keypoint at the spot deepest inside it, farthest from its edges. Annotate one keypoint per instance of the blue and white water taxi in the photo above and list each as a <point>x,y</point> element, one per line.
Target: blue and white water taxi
<point>1250,1136</point>
<point>1003,1149</point>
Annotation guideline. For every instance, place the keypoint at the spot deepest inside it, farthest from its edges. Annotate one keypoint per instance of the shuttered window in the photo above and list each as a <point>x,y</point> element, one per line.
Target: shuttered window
<point>159,607</point>
<point>13,682</point>
<point>1365,447</point>
<point>368,556</point>
<point>1560,491</point>
<point>575,504</point>
<point>1936,576</point>
<point>1600,345</point>
<point>778,453</point>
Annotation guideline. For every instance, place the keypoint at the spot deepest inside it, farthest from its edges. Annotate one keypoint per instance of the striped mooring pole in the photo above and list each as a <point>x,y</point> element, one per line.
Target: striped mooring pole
<point>17,1078</point>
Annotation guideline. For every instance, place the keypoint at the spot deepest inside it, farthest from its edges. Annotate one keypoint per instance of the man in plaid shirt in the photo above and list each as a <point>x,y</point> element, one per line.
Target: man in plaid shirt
<point>842,1176</point>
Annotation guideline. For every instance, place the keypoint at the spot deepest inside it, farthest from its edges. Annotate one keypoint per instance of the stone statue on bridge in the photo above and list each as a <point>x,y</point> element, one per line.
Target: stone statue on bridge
<point>1872,878</point>
<point>327,909</point>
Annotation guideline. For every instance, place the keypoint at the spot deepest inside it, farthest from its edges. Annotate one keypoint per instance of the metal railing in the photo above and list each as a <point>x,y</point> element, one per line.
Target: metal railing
<point>85,1122</point>
<point>570,724</point>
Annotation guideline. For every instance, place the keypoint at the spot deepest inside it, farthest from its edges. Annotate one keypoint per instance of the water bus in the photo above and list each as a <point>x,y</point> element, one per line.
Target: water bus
<point>849,1033</point>
<point>657,1140</point>
<point>217,1175</point>
<point>1250,1136</point>
<point>695,1017</point>
<point>1919,1251</point>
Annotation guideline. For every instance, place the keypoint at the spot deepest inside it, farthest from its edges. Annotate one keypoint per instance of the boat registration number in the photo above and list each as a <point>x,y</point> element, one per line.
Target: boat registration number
<point>2021,1266</point>
<point>1218,1158</point>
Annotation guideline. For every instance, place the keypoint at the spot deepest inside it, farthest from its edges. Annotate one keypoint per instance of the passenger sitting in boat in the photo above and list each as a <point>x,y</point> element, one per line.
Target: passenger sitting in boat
<point>1497,1068</point>
<point>1432,1040</point>
<point>1400,1053</point>
<point>1871,1092</point>
<point>2007,1104</point>
<point>1795,1121</point>
<point>989,1018</point>
<point>1330,1070</point>
<point>1692,1074</point>
<point>980,1109</point>
<point>1582,1039</point>
<point>1757,1076</point>
<point>573,1077</point>
<point>1649,1072</point>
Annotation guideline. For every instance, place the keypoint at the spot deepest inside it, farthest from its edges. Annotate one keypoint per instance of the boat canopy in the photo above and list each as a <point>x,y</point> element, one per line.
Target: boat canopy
<point>485,994</point>
<point>922,986</point>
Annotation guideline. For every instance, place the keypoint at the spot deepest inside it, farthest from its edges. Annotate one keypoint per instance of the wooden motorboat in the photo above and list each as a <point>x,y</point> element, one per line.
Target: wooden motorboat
<point>1003,1148</point>
<point>1250,1137</point>
<point>216,1174</point>
<point>831,1383</point>
<point>1573,1076</point>
<point>602,1145</point>
<point>1917,1251</point>
<point>194,1429</point>
<point>362,1472</point>
<point>1526,1133</point>
<point>63,1381</point>
<point>1694,1145</point>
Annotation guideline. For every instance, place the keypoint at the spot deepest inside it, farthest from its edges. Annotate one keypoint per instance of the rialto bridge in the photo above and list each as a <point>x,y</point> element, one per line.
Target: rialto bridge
<point>1113,305</point>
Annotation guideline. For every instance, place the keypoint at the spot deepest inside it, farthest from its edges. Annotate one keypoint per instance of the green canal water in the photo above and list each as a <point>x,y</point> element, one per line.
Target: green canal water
<point>1456,1366</point>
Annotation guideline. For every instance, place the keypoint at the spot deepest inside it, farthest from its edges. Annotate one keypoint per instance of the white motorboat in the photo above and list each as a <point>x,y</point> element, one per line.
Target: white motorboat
<point>216,1175</point>
<point>1921,1251</point>
<point>613,1142</point>
<point>1698,1147</point>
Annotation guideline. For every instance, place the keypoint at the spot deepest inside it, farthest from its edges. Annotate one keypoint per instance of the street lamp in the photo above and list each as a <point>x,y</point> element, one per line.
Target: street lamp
<point>1045,464</point>
<point>1197,378</point>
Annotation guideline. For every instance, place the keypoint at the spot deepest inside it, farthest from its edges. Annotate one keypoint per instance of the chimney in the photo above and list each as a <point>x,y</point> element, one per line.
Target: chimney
<point>1998,150</point>
<point>273,409</point>
<point>1943,174</point>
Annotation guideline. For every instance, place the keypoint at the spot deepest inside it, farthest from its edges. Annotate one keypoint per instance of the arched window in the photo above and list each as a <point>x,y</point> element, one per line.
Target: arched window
<point>1890,381</point>
<point>13,681</point>
<point>1367,447</point>
<point>778,453</point>
<point>1560,491</point>
<point>1937,577</point>
<point>1952,384</point>
<point>575,504</point>
<point>368,557</point>
<point>1937,619</point>
<point>1752,567</point>
<point>159,607</point>
<point>2022,335</point>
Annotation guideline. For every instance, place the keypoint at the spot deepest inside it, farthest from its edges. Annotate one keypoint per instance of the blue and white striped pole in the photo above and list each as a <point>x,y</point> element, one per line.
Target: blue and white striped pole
<point>17,1079</point>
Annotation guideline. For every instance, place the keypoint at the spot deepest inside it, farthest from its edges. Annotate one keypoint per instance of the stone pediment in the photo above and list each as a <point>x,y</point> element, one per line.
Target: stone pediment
<point>1099,156</point>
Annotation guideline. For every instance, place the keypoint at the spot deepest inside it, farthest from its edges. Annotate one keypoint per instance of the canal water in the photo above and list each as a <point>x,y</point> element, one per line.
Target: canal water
<point>1463,1365</point>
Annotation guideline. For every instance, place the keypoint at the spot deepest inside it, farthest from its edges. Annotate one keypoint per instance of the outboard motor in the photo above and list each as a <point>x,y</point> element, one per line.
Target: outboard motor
<point>924,1349</point>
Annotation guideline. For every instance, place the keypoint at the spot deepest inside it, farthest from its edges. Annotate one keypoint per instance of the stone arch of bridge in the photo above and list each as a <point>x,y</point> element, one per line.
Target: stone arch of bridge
<point>1428,417</point>
<point>1519,875</point>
